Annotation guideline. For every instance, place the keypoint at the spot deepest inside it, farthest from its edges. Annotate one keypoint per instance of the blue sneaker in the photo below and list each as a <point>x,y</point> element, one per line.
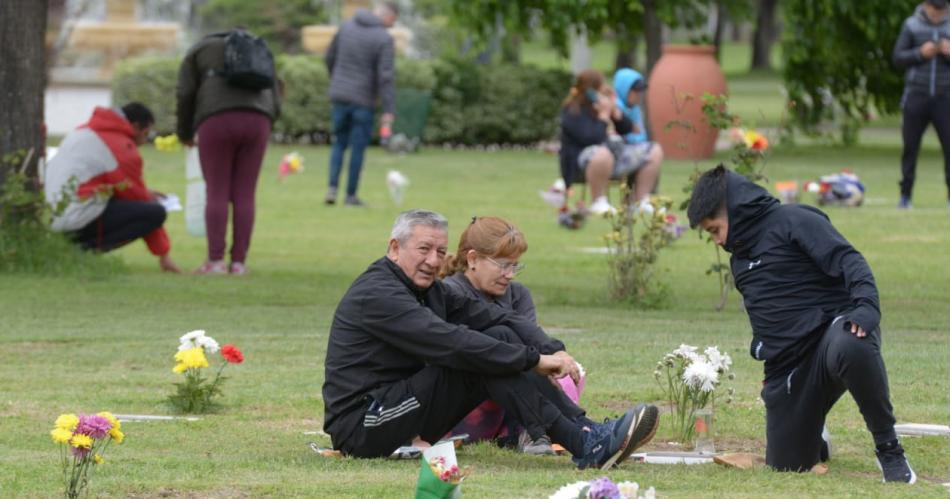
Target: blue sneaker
<point>905,203</point>
<point>609,443</point>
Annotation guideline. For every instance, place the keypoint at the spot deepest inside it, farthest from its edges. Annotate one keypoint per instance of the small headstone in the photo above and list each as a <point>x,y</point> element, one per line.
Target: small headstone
<point>919,430</point>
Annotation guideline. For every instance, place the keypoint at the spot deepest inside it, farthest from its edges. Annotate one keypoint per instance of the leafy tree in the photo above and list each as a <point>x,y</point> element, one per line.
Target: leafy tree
<point>279,23</point>
<point>838,61</point>
<point>625,20</point>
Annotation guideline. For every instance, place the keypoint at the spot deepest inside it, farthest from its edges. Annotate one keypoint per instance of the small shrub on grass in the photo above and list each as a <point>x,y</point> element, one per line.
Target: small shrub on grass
<point>27,245</point>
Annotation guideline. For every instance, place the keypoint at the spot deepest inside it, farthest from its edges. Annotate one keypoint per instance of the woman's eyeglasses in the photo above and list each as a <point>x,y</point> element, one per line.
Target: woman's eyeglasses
<point>514,268</point>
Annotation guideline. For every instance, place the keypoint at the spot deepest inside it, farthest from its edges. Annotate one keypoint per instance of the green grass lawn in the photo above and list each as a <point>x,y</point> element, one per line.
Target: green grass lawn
<point>71,344</point>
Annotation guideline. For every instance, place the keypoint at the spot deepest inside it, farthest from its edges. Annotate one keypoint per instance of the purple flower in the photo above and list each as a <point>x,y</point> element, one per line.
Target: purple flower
<point>95,426</point>
<point>603,488</point>
<point>81,452</point>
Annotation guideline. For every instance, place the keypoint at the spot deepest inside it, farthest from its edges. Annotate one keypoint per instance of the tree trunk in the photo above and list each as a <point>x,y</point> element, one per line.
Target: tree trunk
<point>22,84</point>
<point>764,35</point>
<point>736,31</point>
<point>720,27</point>
<point>653,33</point>
<point>626,48</point>
<point>511,48</point>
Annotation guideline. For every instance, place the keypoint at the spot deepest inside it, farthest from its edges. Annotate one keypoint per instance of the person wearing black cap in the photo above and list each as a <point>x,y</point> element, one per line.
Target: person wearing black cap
<point>923,51</point>
<point>815,314</point>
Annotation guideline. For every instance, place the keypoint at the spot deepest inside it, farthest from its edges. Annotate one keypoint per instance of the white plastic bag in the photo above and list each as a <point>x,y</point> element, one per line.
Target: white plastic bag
<point>194,194</point>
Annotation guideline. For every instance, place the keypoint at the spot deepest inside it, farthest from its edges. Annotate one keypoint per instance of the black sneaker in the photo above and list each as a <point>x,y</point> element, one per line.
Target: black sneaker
<point>609,443</point>
<point>540,447</point>
<point>353,201</point>
<point>893,464</point>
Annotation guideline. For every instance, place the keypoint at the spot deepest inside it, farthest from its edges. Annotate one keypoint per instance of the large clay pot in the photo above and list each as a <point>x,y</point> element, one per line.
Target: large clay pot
<point>674,100</point>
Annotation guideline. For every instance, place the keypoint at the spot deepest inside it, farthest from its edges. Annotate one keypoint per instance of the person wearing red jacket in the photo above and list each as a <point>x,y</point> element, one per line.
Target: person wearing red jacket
<point>97,189</point>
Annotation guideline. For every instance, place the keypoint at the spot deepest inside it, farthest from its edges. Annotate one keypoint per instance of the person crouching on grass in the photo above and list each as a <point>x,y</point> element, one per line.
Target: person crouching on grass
<point>408,359</point>
<point>815,317</point>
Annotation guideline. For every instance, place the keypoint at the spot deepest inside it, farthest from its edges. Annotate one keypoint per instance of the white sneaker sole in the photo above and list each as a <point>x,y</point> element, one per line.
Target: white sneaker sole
<point>913,476</point>
<point>626,442</point>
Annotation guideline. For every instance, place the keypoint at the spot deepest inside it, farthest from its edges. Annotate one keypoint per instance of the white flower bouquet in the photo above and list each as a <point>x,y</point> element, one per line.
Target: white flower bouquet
<point>691,382</point>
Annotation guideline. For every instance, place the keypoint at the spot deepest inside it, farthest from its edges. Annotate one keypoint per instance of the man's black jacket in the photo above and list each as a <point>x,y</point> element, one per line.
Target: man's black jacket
<point>386,329</point>
<point>796,274</point>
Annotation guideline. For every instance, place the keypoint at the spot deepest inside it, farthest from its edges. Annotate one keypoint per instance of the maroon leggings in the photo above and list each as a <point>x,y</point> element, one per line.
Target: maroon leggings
<point>231,145</point>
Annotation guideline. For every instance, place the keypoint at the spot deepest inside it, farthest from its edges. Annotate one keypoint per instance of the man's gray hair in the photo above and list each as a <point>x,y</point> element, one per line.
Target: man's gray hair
<point>392,8</point>
<point>408,220</point>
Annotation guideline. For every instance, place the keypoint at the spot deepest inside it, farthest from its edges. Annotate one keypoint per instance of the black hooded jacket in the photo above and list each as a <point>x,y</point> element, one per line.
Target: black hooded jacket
<point>386,329</point>
<point>796,274</point>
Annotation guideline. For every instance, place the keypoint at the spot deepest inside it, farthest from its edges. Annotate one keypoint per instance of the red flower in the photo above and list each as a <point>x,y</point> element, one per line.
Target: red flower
<point>761,143</point>
<point>232,354</point>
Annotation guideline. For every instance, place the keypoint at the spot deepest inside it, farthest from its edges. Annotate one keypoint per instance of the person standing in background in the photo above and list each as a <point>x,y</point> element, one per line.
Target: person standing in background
<point>361,64</point>
<point>923,51</point>
<point>227,93</point>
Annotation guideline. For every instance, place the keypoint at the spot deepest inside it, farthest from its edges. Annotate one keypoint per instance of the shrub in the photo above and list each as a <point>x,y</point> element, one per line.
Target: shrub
<point>27,245</point>
<point>499,104</point>
<point>305,112</point>
<point>471,104</point>
<point>150,80</point>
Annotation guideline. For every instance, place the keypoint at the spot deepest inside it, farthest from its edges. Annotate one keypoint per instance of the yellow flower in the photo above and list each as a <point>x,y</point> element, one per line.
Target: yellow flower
<point>98,459</point>
<point>80,440</point>
<point>67,422</point>
<point>117,435</point>
<point>193,358</point>
<point>179,368</point>
<point>61,435</point>
<point>115,422</point>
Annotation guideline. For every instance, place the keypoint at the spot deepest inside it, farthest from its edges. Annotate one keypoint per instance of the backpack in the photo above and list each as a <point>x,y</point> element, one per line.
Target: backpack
<point>248,63</point>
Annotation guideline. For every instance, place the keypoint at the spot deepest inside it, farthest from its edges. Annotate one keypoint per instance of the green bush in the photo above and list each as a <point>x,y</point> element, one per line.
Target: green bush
<point>497,104</point>
<point>150,80</point>
<point>305,112</point>
<point>471,104</point>
<point>27,245</point>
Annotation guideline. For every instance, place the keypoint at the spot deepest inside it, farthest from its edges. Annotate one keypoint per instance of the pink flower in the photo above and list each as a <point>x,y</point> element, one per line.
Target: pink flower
<point>95,426</point>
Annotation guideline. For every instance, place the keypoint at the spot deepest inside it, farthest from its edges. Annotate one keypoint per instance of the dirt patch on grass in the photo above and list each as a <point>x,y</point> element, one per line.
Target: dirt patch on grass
<point>181,494</point>
<point>723,444</point>
<point>28,347</point>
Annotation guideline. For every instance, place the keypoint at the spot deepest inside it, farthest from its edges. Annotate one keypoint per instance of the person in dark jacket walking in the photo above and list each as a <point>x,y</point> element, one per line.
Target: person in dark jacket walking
<point>815,315</point>
<point>407,359</point>
<point>233,125</point>
<point>362,70</point>
<point>923,51</point>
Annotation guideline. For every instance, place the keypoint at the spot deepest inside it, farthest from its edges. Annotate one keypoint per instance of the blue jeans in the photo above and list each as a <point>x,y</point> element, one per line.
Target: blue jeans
<point>353,127</point>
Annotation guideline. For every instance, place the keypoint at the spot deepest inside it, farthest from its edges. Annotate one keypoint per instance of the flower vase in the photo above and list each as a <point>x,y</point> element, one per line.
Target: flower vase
<point>702,431</point>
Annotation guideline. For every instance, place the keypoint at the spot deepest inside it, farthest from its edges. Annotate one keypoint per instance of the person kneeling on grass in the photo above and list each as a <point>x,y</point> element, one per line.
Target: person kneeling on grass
<point>814,309</point>
<point>97,176</point>
<point>405,358</point>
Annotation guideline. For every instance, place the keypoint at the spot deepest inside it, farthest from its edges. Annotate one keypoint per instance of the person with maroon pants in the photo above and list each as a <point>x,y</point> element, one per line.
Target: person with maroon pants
<point>233,125</point>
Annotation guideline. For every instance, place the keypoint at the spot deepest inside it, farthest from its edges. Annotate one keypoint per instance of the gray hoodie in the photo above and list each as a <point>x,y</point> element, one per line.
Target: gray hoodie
<point>922,76</point>
<point>360,62</point>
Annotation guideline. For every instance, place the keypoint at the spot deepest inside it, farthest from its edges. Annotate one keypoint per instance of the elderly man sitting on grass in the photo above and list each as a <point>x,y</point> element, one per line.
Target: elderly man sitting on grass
<point>408,359</point>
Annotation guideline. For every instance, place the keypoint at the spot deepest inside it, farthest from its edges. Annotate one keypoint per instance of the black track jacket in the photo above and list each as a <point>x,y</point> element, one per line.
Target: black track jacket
<point>796,274</point>
<point>386,329</point>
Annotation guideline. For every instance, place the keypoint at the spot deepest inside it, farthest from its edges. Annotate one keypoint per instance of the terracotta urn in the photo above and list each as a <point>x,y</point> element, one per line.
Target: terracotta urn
<point>677,84</point>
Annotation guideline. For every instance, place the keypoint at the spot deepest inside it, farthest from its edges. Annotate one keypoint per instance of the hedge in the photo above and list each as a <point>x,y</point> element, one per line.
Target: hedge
<point>471,104</point>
